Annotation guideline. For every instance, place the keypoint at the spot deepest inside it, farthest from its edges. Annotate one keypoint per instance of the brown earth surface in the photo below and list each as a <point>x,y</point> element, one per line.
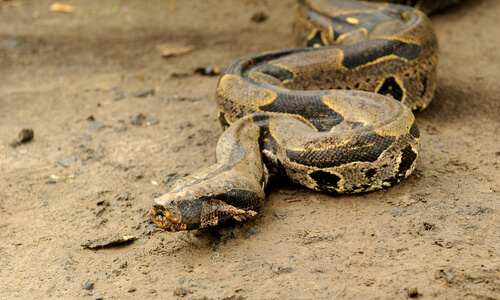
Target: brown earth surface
<point>75,78</point>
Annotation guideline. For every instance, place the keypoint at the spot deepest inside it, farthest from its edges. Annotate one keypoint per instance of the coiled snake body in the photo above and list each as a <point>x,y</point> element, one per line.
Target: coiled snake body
<point>334,119</point>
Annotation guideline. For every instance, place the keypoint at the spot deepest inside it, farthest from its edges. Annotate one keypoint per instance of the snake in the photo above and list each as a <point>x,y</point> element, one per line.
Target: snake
<point>334,115</point>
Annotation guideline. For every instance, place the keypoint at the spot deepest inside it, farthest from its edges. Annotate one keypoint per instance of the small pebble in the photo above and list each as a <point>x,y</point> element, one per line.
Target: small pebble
<point>181,292</point>
<point>68,160</point>
<point>138,119</point>
<point>412,291</point>
<point>95,125</point>
<point>88,285</point>
<point>26,135</point>
<point>150,121</point>
<point>280,214</point>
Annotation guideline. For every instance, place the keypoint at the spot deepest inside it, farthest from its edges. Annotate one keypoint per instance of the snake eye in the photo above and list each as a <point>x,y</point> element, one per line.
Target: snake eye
<point>157,213</point>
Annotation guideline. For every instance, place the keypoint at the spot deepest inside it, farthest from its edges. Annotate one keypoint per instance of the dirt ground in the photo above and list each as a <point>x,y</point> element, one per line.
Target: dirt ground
<point>76,78</point>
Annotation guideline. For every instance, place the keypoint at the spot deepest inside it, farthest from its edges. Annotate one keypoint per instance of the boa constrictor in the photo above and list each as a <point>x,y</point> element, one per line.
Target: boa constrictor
<point>334,118</point>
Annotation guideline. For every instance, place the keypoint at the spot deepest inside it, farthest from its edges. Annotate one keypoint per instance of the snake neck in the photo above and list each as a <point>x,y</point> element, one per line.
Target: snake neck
<point>230,190</point>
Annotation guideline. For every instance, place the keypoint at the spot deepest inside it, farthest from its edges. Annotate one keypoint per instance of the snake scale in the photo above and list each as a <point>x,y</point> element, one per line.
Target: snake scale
<point>334,116</point>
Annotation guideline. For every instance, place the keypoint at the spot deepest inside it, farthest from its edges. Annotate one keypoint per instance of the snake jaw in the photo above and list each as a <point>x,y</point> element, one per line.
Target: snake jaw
<point>166,215</point>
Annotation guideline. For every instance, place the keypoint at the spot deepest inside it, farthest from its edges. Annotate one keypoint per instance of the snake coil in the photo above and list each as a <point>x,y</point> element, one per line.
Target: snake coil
<point>334,117</point>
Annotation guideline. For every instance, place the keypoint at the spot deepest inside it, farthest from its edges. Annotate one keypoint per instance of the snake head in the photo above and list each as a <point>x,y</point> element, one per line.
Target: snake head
<point>178,211</point>
<point>173,212</point>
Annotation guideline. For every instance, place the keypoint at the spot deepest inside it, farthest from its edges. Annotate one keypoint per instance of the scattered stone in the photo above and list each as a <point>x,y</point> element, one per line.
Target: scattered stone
<point>472,211</point>
<point>119,94</point>
<point>131,290</point>
<point>95,125</point>
<point>181,292</point>
<point>142,94</point>
<point>24,136</point>
<point>281,270</point>
<point>121,128</point>
<point>259,16</point>
<point>87,138</point>
<point>136,176</point>
<point>108,242</point>
<point>88,285</point>
<point>67,161</point>
<point>280,214</point>
<point>412,291</point>
<point>446,274</point>
<point>138,119</point>
<point>251,232</point>
<point>90,118</point>
<point>124,197</point>
<point>150,121</point>
<point>208,71</point>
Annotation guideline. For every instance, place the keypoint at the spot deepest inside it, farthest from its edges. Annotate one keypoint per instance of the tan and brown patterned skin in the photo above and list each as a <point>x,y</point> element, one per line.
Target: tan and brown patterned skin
<point>335,118</point>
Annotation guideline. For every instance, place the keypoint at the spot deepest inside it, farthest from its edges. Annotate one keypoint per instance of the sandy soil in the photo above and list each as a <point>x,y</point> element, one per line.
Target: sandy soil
<point>76,78</point>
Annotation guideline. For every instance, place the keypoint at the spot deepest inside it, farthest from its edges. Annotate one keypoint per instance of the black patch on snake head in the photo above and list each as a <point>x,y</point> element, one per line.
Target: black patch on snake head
<point>391,88</point>
<point>408,157</point>
<point>190,210</point>
<point>242,199</point>
<point>328,181</point>
<point>414,130</point>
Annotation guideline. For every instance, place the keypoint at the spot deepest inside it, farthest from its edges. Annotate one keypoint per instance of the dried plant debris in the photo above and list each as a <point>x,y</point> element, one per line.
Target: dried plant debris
<point>109,241</point>
<point>61,7</point>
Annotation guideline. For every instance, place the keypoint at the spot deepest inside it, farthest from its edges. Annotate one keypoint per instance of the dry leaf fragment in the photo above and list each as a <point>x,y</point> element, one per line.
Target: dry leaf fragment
<point>61,7</point>
<point>177,51</point>
<point>110,241</point>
